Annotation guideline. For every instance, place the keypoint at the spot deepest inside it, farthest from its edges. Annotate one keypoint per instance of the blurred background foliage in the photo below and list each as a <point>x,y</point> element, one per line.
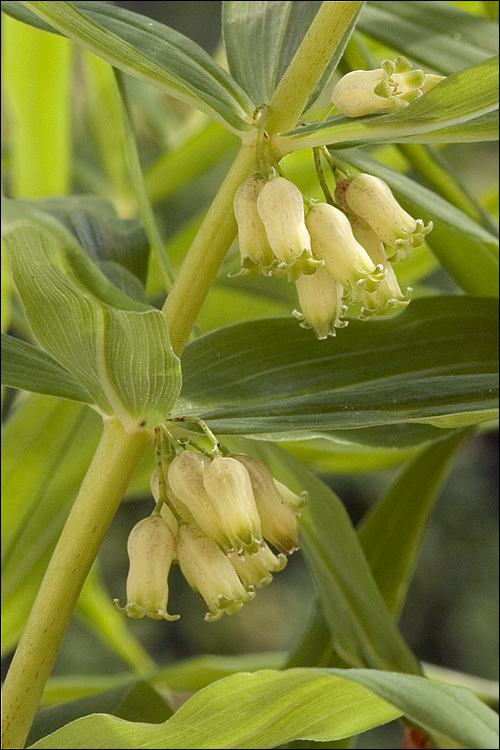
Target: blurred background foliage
<point>451,616</point>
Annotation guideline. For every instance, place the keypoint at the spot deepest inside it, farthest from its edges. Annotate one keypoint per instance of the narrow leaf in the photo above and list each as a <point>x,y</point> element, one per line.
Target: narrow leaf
<point>150,51</point>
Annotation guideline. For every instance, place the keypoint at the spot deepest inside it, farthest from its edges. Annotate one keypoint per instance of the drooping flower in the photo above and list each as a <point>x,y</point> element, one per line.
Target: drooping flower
<point>371,199</point>
<point>229,487</point>
<point>388,295</point>
<point>209,572</point>
<point>255,251</point>
<point>345,259</point>
<point>278,521</point>
<point>151,549</point>
<point>320,299</point>
<point>392,86</point>
<point>281,207</point>
<point>296,502</point>
<point>185,477</point>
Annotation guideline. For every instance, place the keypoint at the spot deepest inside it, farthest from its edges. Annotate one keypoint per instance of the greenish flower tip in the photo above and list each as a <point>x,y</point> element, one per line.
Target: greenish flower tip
<point>370,199</point>
<point>212,515</point>
<point>388,88</point>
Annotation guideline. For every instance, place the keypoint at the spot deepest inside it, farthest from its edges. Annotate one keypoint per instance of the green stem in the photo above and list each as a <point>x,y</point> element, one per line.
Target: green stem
<point>308,64</point>
<point>206,254</point>
<point>113,466</point>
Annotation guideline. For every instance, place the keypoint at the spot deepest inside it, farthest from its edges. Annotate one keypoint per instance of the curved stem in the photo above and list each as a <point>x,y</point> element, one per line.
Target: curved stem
<point>114,464</point>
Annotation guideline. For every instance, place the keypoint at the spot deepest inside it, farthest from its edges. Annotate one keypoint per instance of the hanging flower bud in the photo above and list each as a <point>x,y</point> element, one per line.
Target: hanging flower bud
<point>230,490</point>
<point>210,573</point>
<point>295,502</point>
<point>278,521</point>
<point>281,208</point>
<point>255,251</point>
<point>320,297</point>
<point>333,241</point>
<point>392,86</point>
<point>371,200</point>
<point>256,570</point>
<point>388,295</point>
<point>185,477</point>
<point>151,549</point>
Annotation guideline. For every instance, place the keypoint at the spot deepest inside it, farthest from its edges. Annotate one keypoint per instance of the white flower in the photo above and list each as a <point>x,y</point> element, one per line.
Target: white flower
<point>320,299</point>
<point>255,251</point>
<point>256,570</point>
<point>346,260</point>
<point>371,199</point>
<point>210,573</point>
<point>151,549</point>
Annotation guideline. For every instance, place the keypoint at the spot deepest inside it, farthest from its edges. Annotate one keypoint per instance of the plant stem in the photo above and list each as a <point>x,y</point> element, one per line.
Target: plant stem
<point>206,253</point>
<point>307,66</point>
<point>113,466</point>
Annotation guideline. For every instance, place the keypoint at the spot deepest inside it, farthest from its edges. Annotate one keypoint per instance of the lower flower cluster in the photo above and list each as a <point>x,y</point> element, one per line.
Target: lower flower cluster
<point>215,517</point>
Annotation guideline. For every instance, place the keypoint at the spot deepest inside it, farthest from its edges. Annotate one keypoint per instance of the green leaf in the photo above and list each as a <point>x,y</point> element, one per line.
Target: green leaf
<point>362,630</point>
<point>135,702</point>
<point>391,532</point>
<point>267,708</point>
<point>93,340</point>
<point>457,99</point>
<point>435,34</point>
<point>467,251</point>
<point>259,710</point>
<point>433,361</point>
<point>147,50</point>
<point>261,40</point>
<point>24,366</point>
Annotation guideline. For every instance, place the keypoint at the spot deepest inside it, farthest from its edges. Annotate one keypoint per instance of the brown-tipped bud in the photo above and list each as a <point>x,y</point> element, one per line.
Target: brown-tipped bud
<point>210,573</point>
<point>346,260</point>
<point>281,208</point>
<point>371,199</point>
<point>255,250</point>
<point>278,521</point>
<point>151,549</point>
<point>230,490</point>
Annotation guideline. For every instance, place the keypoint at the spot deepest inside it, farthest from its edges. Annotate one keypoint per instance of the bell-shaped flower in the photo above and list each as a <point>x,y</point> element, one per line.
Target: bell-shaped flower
<point>389,294</point>
<point>228,485</point>
<point>151,549</point>
<point>346,260</point>
<point>281,208</point>
<point>278,521</point>
<point>185,478</point>
<point>371,199</point>
<point>210,573</point>
<point>256,570</point>
<point>392,86</point>
<point>320,299</point>
<point>255,251</point>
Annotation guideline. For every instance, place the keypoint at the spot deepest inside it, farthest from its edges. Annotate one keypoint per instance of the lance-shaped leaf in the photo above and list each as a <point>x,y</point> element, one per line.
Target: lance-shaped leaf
<point>262,38</point>
<point>438,35</point>
<point>457,99</point>
<point>435,362</point>
<point>116,348</point>
<point>147,50</point>
<point>268,708</point>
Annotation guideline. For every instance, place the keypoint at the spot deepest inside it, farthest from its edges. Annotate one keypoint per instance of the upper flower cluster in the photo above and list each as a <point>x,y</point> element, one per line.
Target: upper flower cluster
<point>217,515</point>
<point>392,86</point>
<point>337,255</point>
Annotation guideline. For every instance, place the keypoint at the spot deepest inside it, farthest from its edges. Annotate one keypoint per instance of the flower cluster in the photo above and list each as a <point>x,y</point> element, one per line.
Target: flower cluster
<point>215,519</point>
<point>337,255</point>
<point>392,86</point>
